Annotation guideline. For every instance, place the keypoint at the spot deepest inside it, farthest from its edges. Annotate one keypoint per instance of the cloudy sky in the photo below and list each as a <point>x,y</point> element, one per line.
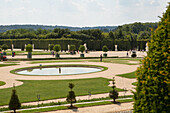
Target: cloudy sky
<point>80,12</point>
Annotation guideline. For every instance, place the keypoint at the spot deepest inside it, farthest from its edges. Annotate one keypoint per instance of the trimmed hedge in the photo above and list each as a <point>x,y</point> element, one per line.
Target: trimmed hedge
<point>123,45</point>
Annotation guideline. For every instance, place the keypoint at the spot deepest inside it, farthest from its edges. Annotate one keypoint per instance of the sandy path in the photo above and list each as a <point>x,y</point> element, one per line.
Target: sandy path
<point>90,54</point>
<point>99,109</point>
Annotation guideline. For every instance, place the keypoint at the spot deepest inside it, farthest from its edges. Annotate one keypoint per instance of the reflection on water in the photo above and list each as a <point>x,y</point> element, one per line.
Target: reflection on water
<point>59,71</point>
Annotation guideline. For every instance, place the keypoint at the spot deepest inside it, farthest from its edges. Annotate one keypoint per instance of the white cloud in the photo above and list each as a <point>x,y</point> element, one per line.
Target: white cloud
<point>80,12</point>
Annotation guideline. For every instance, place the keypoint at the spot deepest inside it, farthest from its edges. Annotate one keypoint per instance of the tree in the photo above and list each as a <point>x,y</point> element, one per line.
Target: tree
<point>113,93</point>
<point>71,98</point>
<point>105,48</point>
<point>29,50</point>
<point>57,48</point>
<point>82,48</point>
<point>152,92</point>
<point>4,47</point>
<point>51,46</point>
<point>14,103</point>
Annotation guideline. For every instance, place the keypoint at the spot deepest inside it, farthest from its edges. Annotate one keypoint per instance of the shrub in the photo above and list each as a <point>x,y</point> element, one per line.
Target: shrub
<point>82,48</point>
<point>105,49</point>
<point>29,48</point>
<point>57,48</point>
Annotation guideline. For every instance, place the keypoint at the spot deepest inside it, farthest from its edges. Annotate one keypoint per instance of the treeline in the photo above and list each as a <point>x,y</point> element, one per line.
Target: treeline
<point>127,37</point>
<point>4,28</point>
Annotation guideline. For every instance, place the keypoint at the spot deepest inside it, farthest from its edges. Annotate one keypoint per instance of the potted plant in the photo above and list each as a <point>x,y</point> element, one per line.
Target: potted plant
<point>105,49</point>
<point>57,48</point>
<point>29,50</point>
<point>133,54</point>
<point>82,49</point>
<point>72,49</point>
<point>4,47</point>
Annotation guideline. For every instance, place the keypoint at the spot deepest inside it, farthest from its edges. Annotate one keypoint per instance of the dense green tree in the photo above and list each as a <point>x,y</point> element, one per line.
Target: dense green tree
<point>71,98</point>
<point>57,48</point>
<point>153,76</point>
<point>82,48</point>
<point>14,103</point>
<point>4,47</point>
<point>105,48</point>
<point>29,50</point>
<point>113,93</point>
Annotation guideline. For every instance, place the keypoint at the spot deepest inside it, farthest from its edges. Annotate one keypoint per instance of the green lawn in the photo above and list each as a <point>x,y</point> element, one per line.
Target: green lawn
<point>128,75</point>
<point>50,89</point>
<point>55,61</point>
<point>134,83</point>
<point>2,83</point>
<point>119,60</point>
<point>2,65</point>
<point>107,60</point>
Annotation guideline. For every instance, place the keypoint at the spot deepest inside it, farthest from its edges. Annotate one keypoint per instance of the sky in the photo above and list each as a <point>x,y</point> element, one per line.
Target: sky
<point>80,12</point>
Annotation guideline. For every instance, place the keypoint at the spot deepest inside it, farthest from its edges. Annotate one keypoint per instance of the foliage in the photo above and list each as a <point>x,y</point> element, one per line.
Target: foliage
<point>57,48</point>
<point>105,49</point>
<point>14,103</point>
<point>71,96</point>
<point>4,47</point>
<point>29,48</point>
<point>113,93</point>
<point>128,75</point>
<point>51,46</point>
<point>125,36</point>
<point>152,91</point>
<point>2,83</point>
<point>82,48</point>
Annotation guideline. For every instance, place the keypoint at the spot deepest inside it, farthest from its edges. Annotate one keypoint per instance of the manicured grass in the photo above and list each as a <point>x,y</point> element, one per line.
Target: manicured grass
<point>16,52</point>
<point>107,60</point>
<point>51,89</point>
<point>2,83</point>
<point>2,65</point>
<point>55,61</point>
<point>119,60</point>
<point>134,83</point>
<point>128,75</point>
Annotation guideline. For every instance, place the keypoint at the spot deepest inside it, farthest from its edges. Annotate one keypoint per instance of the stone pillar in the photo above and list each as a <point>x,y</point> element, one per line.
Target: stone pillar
<point>146,48</point>
<point>12,47</point>
<point>115,47</point>
<point>68,48</point>
<point>85,46</point>
<point>32,47</point>
<point>25,46</point>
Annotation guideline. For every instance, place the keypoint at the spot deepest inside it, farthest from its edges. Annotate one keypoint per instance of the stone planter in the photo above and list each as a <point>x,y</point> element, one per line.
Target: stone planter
<point>81,55</point>
<point>29,55</point>
<point>57,55</point>
<point>105,55</point>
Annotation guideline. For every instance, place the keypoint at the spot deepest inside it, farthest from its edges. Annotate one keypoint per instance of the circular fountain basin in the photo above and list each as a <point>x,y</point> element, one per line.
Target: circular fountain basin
<point>59,71</point>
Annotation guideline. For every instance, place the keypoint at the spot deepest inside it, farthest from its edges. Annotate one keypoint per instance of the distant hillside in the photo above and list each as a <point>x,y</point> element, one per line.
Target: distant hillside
<point>4,28</point>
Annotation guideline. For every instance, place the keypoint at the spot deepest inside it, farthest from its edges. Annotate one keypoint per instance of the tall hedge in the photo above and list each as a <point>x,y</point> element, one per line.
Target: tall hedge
<point>153,85</point>
<point>97,45</point>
